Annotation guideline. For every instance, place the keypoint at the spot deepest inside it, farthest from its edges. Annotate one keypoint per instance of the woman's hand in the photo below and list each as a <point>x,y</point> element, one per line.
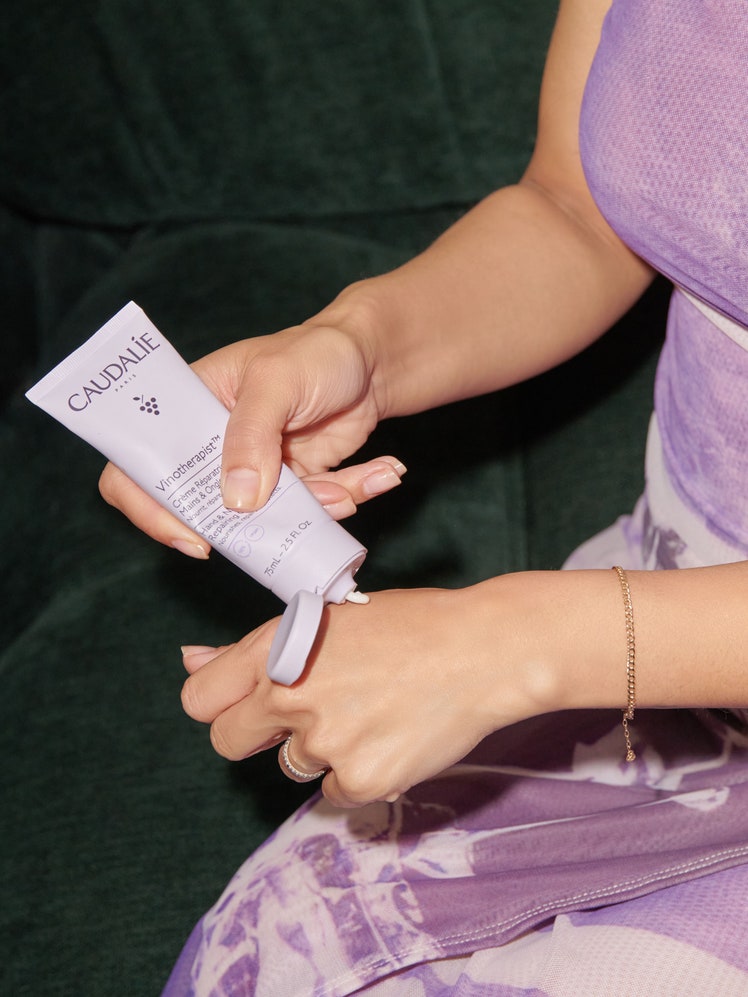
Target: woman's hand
<point>394,692</point>
<point>303,396</point>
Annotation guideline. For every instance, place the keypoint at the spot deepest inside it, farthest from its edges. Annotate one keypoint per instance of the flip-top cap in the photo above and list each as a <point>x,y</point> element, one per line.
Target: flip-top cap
<point>294,637</point>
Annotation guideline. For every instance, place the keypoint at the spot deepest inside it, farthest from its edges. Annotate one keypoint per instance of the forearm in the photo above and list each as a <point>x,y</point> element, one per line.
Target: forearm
<point>516,286</point>
<point>691,634</point>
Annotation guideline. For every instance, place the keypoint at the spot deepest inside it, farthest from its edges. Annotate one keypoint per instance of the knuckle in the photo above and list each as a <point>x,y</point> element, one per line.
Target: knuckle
<point>106,489</point>
<point>222,744</point>
<point>359,787</point>
<point>316,748</point>
<point>192,701</point>
<point>332,794</point>
<point>356,797</point>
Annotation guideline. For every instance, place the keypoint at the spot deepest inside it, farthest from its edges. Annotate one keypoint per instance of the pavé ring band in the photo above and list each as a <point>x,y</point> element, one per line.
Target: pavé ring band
<point>291,769</point>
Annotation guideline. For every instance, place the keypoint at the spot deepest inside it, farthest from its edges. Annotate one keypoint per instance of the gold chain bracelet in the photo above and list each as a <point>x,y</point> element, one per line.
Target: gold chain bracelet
<point>628,713</point>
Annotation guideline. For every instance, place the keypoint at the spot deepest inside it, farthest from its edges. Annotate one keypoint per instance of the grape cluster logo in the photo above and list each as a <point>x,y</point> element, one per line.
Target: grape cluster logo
<point>149,405</point>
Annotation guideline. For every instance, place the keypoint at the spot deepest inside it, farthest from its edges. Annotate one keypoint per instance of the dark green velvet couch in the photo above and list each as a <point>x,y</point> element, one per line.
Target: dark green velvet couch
<point>230,166</point>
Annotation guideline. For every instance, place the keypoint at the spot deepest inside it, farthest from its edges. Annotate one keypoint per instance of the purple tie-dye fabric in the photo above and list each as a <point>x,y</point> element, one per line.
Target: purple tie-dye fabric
<point>664,140</point>
<point>544,864</point>
<point>665,143</point>
<point>701,399</point>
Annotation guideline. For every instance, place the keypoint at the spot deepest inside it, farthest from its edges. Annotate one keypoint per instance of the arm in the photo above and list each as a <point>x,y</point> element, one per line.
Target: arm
<point>455,666</point>
<point>443,669</point>
<point>527,278</point>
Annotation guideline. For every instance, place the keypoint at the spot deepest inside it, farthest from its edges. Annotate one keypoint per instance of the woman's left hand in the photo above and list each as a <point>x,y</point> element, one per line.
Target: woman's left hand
<point>394,692</point>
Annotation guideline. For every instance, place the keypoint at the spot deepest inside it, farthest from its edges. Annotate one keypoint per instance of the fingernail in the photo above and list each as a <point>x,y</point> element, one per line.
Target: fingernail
<point>380,481</point>
<point>194,656</point>
<point>189,649</point>
<point>398,467</point>
<point>239,489</point>
<point>191,548</point>
<point>340,510</point>
<point>328,492</point>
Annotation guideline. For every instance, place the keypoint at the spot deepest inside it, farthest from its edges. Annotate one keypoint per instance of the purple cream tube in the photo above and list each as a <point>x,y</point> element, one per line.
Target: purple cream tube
<point>129,393</point>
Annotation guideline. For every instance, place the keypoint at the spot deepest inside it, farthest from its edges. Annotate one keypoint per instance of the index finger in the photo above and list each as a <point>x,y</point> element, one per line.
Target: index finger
<point>146,513</point>
<point>229,677</point>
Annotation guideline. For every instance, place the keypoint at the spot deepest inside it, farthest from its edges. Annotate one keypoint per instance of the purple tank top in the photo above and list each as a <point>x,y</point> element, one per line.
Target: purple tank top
<point>664,143</point>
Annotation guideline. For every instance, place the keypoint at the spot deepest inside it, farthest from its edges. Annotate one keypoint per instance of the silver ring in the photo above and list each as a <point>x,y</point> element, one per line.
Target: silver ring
<point>291,768</point>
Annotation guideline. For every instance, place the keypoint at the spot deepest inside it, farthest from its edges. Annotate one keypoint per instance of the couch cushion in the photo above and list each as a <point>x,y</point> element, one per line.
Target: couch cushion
<point>122,111</point>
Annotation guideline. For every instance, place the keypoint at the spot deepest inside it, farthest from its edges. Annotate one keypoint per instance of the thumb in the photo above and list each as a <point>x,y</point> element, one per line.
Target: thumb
<point>251,458</point>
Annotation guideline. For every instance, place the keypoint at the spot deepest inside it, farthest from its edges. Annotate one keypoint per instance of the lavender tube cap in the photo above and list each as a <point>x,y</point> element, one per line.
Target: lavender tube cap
<point>330,558</point>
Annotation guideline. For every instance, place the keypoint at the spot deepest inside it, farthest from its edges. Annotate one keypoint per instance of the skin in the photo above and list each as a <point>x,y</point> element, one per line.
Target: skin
<point>398,690</point>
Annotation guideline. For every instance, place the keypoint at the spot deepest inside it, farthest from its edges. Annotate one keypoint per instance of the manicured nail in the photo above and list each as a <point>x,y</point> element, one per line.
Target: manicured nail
<point>194,656</point>
<point>239,489</point>
<point>188,649</point>
<point>191,548</point>
<point>328,492</point>
<point>333,498</point>
<point>340,510</point>
<point>380,481</point>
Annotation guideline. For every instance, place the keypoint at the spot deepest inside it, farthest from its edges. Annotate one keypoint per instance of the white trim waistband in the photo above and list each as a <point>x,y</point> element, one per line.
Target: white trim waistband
<point>666,506</point>
<point>737,333</point>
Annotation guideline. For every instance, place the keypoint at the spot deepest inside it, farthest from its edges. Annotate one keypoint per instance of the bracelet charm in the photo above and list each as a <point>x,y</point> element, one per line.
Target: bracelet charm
<point>628,713</point>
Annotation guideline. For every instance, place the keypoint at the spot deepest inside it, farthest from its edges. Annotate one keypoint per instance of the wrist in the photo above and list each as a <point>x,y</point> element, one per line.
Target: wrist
<point>558,639</point>
<point>363,315</point>
<point>400,329</point>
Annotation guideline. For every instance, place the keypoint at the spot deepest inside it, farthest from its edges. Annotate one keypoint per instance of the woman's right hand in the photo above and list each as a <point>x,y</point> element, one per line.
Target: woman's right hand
<point>303,396</point>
